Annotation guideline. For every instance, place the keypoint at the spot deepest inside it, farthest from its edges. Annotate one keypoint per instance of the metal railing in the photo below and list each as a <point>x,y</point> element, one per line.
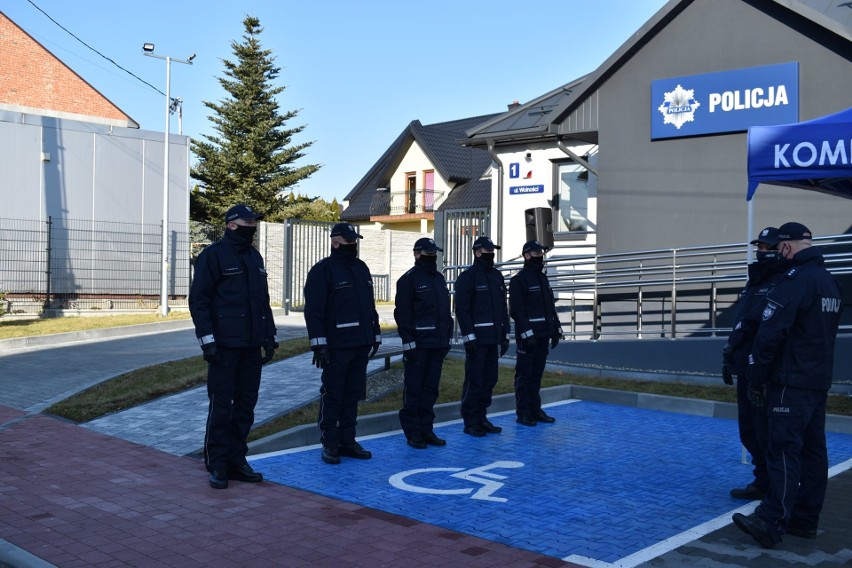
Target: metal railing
<point>413,201</point>
<point>663,293</point>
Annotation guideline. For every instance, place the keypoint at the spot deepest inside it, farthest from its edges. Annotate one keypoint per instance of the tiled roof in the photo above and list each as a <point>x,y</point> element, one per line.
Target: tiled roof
<point>455,163</point>
<point>472,195</point>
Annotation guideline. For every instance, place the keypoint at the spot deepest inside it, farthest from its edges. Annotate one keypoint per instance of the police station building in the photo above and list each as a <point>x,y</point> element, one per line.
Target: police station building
<point>649,150</point>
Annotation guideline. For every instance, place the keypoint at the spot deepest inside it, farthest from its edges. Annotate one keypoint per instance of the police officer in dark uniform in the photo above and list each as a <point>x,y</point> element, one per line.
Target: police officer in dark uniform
<point>790,373</point>
<point>229,303</point>
<point>533,308</point>
<point>762,275</point>
<point>423,319</point>
<point>343,326</point>
<point>480,301</point>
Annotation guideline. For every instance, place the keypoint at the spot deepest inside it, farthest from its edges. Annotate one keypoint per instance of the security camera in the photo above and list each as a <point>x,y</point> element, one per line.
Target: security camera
<point>528,155</point>
<point>190,58</point>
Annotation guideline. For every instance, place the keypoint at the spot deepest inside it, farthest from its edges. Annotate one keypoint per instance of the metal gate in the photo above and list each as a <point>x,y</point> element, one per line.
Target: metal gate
<point>306,243</point>
<point>460,228</point>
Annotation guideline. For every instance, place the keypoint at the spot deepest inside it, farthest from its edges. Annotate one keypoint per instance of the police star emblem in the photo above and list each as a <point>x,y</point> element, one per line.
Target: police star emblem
<point>679,107</point>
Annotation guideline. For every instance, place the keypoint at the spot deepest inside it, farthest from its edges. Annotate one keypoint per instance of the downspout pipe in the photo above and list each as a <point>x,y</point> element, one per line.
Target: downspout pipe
<point>560,142</point>
<point>499,215</point>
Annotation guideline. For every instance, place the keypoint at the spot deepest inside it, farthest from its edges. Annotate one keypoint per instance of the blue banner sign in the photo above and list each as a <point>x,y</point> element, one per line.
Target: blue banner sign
<point>525,189</point>
<point>727,101</point>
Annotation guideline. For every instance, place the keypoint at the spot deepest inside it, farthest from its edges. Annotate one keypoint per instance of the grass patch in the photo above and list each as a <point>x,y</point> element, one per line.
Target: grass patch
<point>25,328</point>
<point>452,378</point>
<point>142,385</point>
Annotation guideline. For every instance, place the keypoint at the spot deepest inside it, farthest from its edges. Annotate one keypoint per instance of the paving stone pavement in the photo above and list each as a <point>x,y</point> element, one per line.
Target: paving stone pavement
<point>176,423</point>
<point>72,496</point>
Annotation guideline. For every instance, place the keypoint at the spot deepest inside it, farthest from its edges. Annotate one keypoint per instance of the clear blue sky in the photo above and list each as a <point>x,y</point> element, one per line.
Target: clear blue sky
<point>358,72</point>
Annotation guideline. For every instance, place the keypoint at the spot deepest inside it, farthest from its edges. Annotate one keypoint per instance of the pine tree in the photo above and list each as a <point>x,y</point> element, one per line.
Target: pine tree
<point>250,159</point>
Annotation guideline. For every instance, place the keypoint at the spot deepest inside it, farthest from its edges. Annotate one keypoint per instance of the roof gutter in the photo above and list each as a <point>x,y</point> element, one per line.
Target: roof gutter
<point>560,142</point>
<point>499,215</point>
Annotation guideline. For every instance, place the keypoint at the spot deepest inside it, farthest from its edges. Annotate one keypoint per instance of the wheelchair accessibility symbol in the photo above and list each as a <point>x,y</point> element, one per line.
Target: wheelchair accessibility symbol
<point>482,476</point>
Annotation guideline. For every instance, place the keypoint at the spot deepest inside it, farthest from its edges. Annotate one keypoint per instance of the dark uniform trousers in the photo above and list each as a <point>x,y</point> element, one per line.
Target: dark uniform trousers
<point>528,370</point>
<point>232,386</point>
<point>751,419</point>
<point>344,383</point>
<point>480,378</point>
<point>422,379</point>
<point>797,458</point>
<point>753,432</point>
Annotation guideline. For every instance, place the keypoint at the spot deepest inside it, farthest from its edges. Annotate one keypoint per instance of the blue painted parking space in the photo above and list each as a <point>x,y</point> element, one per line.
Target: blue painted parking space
<point>603,483</point>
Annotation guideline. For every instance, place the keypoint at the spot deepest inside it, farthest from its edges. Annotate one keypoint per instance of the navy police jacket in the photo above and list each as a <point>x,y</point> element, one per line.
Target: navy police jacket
<point>762,277</point>
<point>229,298</point>
<point>480,298</point>
<point>339,307</point>
<point>531,304</point>
<point>422,311</point>
<point>799,326</point>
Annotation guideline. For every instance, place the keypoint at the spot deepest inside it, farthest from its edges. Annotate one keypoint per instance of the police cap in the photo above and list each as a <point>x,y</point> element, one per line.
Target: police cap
<point>345,230</point>
<point>241,211</point>
<point>426,245</point>
<point>484,243</point>
<point>768,237</point>
<point>793,232</point>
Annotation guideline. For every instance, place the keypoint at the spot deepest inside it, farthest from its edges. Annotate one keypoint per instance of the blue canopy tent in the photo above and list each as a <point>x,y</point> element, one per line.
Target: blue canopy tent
<point>814,155</point>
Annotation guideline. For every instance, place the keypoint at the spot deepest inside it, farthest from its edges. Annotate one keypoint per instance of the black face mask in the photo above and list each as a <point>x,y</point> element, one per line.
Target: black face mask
<point>348,250</point>
<point>487,258</point>
<point>245,232</point>
<point>535,262</point>
<point>430,262</point>
<point>769,256</point>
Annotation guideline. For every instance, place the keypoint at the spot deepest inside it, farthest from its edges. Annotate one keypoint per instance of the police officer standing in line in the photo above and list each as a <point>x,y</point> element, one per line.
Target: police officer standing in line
<point>533,308</point>
<point>229,303</point>
<point>762,276</point>
<point>483,318</point>
<point>790,373</point>
<point>422,315</point>
<point>343,326</point>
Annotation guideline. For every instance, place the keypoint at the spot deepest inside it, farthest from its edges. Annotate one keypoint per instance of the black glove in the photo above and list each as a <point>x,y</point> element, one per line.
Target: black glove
<point>727,354</point>
<point>530,342</point>
<point>470,348</point>
<point>211,353</point>
<point>757,374</point>
<point>504,346</point>
<point>554,341</point>
<point>268,352</point>
<point>374,349</point>
<point>726,375</point>
<point>757,395</point>
<point>321,356</point>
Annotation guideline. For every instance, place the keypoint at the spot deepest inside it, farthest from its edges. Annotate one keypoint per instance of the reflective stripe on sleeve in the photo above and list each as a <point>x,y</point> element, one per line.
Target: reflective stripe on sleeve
<point>350,324</point>
<point>407,346</point>
<point>318,341</point>
<point>206,340</point>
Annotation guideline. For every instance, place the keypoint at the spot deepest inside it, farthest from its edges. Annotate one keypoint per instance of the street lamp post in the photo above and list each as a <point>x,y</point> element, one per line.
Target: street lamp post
<point>148,49</point>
